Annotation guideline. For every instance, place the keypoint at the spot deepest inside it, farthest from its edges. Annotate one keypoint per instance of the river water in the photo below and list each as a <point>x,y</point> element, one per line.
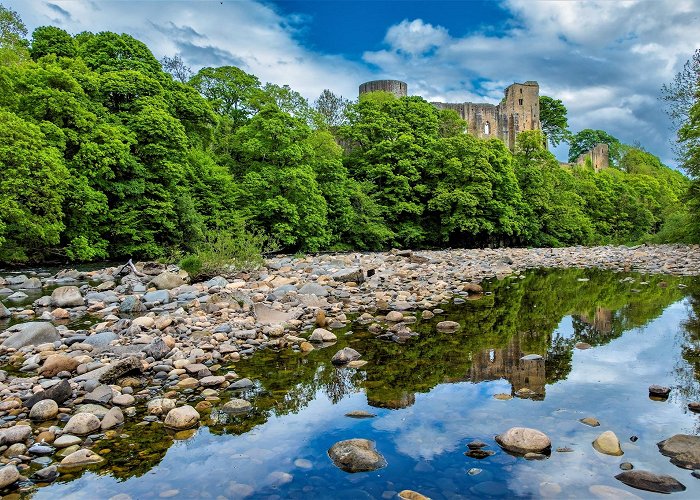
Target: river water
<point>434,394</point>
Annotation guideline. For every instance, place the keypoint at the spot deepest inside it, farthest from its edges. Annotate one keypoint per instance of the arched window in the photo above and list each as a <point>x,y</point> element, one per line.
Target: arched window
<point>487,128</point>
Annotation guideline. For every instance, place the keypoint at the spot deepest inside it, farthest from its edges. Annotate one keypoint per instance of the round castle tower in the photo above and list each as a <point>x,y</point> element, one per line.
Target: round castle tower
<point>396,87</point>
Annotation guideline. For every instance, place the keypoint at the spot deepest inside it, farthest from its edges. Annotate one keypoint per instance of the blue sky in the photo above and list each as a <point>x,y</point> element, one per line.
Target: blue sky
<point>605,59</point>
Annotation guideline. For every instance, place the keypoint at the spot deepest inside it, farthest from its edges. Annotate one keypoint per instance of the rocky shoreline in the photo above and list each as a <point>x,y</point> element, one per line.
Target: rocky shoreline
<point>151,338</point>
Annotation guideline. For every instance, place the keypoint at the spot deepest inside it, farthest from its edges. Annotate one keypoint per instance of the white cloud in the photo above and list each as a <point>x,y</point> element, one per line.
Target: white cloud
<point>244,33</point>
<point>415,37</point>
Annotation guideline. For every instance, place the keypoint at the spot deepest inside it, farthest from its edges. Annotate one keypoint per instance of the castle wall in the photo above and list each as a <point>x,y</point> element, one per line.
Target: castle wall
<point>396,87</point>
<point>517,112</point>
<point>599,155</point>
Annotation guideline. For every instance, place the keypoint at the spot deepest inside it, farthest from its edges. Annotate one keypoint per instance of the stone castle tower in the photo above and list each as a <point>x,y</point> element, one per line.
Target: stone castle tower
<point>518,111</point>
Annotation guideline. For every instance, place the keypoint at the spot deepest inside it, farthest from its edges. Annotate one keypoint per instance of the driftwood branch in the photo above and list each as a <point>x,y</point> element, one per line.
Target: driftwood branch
<point>132,267</point>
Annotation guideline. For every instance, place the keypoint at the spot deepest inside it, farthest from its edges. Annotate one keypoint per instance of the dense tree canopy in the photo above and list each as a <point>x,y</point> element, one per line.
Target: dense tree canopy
<point>587,139</point>
<point>105,152</point>
<point>553,120</point>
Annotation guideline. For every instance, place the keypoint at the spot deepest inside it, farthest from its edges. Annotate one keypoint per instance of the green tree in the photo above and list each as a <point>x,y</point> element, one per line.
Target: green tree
<point>586,139</point>
<point>231,91</point>
<point>331,109</point>
<point>32,188</point>
<point>52,40</point>
<point>553,120</point>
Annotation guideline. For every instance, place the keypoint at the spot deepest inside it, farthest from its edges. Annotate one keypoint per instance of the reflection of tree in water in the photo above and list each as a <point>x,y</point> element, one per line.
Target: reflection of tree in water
<point>687,371</point>
<point>520,317</point>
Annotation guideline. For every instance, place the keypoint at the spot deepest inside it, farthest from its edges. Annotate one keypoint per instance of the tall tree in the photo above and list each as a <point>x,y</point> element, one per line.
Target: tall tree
<point>681,93</point>
<point>52,40</point>
<point>231,91</point>
<point>177,68</point>
<point>553,120</point>
<point>331,108</point>
<point>13,33</point>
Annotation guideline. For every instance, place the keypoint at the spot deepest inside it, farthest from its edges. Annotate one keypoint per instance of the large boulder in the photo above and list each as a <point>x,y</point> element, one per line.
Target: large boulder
<point>81,458</point>
<point>120,368</point>
<point>522,440</point>
<point>353,274</point>
<point>67,296</point>
<point>81,424</point>
<point>4,311</point>
<point>32,333</point>
<point>184,417</point>
<point>57,363</point>
<point>16,434</point>
<point>645,480</point>
<point>46,409</point>
<point>33,283</point>
<point>314,289</point>
<point>322,335</point>
<point>8,475</point>
<point>167,281</point>
<point>236,406</point>
<point>60,392</point>
<point>345,355</point>
<point>683,449</point>
<point>356,455</point>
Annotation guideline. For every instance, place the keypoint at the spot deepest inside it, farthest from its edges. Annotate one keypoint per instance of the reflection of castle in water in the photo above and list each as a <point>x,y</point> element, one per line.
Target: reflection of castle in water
<point>506,363</point>
<point>601,321</point>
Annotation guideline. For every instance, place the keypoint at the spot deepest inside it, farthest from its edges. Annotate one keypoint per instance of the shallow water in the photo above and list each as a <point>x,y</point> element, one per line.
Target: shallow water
<point>434,394</point>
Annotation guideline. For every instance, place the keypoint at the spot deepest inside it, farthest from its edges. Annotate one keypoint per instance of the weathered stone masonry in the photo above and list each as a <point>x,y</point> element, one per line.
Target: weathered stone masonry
<point>518,111</point>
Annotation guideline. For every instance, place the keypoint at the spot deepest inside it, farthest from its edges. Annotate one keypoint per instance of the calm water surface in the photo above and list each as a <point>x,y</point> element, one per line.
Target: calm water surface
<point>435,393</point>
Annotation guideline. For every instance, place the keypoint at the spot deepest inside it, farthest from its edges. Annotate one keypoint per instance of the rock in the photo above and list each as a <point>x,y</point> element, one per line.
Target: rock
<point>683,449</point>
<point>353,274</point>
<point>67,296</point>
<point>659,391</point>
<point>60,393</point>
<point>57,363</point>
<point>523,440</point>
<point>101,394</point>
<point>15,450</point>
<point>82,424</point>
<point>412,495</point>
<point>237,406</point>
<point>313,289</point>
<point>31,284</point>
<point>212,381</point>
<point>184,417</point>
<point>267,315</point>
<point>694,407</point>
<point>157,349</point>
<point>32,333</point>
<point>44,410</point>
<point>345,355</point>
<point>167,281</point>
<point>161,296</point>
<point>144,322</point>
<point>16,434</point>
<point>322,335</point>
<point>531,357</point>
<point>582,345</point>
<point>45,475</point>
<point>448,326</point>
<point>160,406</point>
<point>113,418</point>
<point>131,304</point>
<point>243,383</point>
<point>394,316</point>
<point>360,414</point>
<point>123,400</point>
<point>608,444</point>
<point>626,466</point>
<point>4,311</point>
<point>356,455</point>
<point>66,440</point>
<point>645,480</point>
<point>101,339</point>
<point>502,396</point>
<point>592,421</point>
<point>120,368</point>
<point>8,475</point>
<point>93,409</point>
<point>81,458</point>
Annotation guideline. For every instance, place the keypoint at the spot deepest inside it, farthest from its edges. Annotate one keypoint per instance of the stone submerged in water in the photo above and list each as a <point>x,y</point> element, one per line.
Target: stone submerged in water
<point>412,495</point>
<point>356,455</point>
<point>659,392</point>
<point>608,443</point>
<point>360,414</point>
<point>448,326</point>
<point>683,450</point>
<point>81,458</point>
<point>345,355</point>
<point>522,440</point>
<point>236,406</point>
<point>591,421</point>
<point>645,480</point>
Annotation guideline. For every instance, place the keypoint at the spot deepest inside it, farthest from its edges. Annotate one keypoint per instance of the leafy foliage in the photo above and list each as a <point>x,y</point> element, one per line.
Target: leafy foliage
<point>553,120</point>
<point>586,139</point>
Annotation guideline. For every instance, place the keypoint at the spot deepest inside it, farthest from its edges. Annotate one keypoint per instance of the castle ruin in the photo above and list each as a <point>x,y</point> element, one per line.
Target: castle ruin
<point>518,111</point>
<point>599,157</point>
